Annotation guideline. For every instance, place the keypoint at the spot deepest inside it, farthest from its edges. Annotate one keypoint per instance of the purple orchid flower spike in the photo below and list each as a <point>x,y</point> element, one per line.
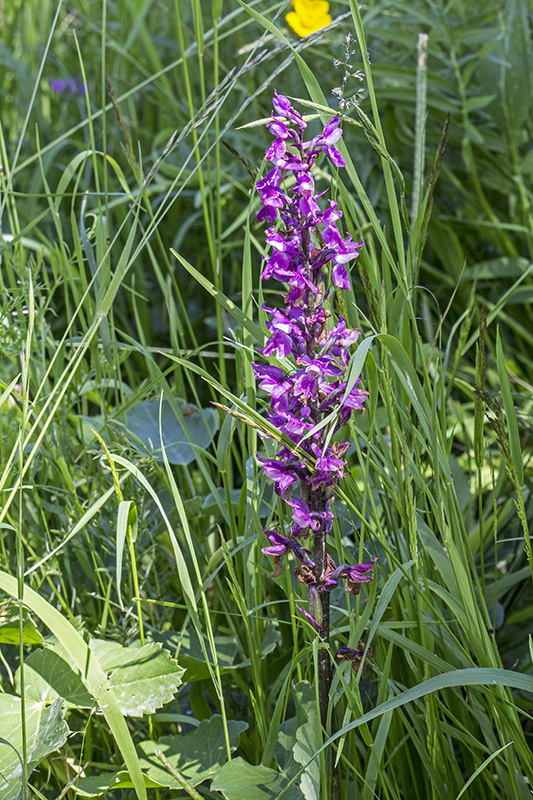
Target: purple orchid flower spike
<point>310,255</point>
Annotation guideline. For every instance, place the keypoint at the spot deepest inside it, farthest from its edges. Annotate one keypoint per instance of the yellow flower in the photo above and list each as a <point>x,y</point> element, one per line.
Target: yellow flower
<point>308,16</point>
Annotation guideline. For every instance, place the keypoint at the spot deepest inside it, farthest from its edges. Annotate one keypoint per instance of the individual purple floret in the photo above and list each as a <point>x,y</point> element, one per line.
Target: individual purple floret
<point>354,576</point>
<point>280,545</point>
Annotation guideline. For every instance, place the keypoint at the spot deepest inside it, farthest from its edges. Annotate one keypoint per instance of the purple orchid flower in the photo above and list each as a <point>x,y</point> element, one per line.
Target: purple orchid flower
<point>280,546</point>
<point>354,575</point>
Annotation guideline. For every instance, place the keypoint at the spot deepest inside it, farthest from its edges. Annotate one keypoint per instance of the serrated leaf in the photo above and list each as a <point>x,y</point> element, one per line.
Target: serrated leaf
<point>143,678</point>
<point>238,780</point>
<point>46,731</point>
<point>146,680</point>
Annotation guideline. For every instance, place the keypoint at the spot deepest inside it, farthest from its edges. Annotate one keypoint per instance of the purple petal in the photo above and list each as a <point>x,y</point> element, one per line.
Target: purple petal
<point>339,276</point>
<point>279,344</point>
<point>335,157</point>
<point>332,132</point>
<point>312,621</point>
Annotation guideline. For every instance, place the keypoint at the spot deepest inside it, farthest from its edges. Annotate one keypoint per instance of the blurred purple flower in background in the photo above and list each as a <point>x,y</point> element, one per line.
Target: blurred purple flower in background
<point>70,86</point>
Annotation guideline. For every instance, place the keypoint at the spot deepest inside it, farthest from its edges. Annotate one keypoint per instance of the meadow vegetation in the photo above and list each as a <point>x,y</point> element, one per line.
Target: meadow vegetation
<point>144,651</point>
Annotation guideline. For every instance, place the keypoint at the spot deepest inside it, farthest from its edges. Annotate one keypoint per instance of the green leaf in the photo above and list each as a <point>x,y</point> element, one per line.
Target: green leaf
<point>307,744</point>
<point>181,437</point>
<point>97,785</point>
<point>304,698</point>
<point>143,678</point>
<point>10,627</point>
<point>94,677</point>
<point>48,677</point>
<point>510,413</point>
<point>197,756</point>
<point>46,731</point>
<point>191,653</point>
<point>479,102</point>
<point>238,780</point>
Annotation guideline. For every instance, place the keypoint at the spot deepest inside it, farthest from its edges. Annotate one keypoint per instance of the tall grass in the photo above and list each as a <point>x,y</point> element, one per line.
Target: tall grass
<point>103,538</point>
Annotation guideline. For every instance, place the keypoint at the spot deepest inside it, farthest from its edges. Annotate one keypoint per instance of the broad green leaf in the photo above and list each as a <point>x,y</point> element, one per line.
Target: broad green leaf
<point>191,653</point>
<point>238,780</point>
<point>48,676</point>
<point>180,442</point>
<point>143,678</point>
<point>304,697</point>
<point>10,629</point>
<point>94,677</point>
<point>46,731</point>
<point>307,744</point>
<point>197,756</point>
